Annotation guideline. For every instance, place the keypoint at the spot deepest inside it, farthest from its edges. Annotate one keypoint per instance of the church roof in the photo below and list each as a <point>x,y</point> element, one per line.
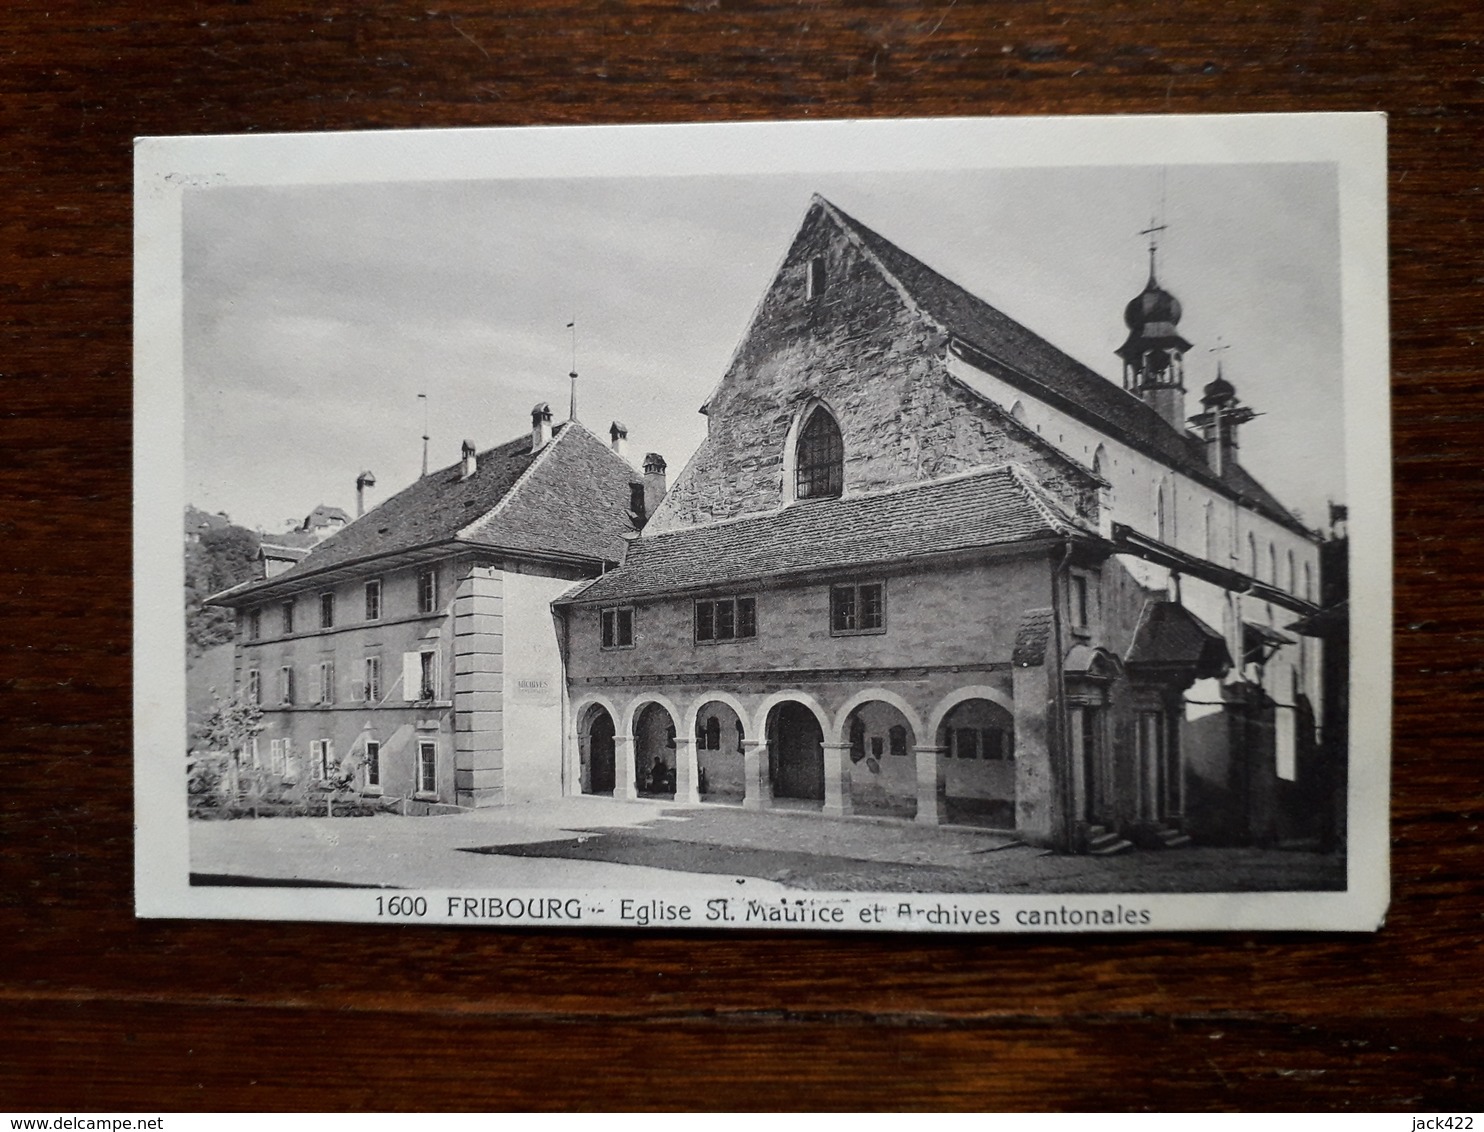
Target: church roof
<point>1025,359</point>
<point>570,499</point>
<point>988,507</point>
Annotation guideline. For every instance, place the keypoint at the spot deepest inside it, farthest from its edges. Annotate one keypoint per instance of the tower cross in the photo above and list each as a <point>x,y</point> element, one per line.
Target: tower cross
<point>1152,232</point>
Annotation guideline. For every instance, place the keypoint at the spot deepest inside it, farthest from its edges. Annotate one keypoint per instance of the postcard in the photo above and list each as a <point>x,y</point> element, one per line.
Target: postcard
<point>914,525</point>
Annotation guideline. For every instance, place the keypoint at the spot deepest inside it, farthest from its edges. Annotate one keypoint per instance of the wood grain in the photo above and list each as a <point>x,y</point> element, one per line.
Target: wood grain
<point>102,1011</point>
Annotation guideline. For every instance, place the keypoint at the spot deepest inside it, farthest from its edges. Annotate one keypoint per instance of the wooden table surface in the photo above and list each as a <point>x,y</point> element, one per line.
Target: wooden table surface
<point>103,1011</point>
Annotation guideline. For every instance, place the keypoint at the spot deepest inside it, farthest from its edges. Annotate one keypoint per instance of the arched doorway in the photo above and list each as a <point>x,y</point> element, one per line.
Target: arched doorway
<point>654,752</point>
<point>796,746</point>
<point>883,770</point>
<point>597,751</point>
<point>978,750</point>
<point>719,759</point>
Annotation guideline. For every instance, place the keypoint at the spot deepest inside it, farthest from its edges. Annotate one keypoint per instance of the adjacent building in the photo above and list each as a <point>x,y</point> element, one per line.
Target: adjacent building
<point>413,649</point>
<point>927,565</point>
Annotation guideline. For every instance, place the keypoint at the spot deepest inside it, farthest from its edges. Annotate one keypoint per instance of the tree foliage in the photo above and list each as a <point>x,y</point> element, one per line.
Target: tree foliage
<point>224,557</point>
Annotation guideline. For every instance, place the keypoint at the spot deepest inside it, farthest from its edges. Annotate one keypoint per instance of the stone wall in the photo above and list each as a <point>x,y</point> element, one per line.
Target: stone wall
<point>879,365</point>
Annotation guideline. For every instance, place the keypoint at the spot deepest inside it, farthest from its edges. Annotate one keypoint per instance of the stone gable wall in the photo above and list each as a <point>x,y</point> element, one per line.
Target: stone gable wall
<point>863,350</point>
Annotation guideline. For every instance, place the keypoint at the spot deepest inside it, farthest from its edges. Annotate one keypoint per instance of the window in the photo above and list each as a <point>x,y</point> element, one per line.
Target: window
<point>820,459</point>
<point>275,756</point>
<point>1161,520</point>
<point>858,608</point>
<point>857,740</point>
<point>326,671</point>
<point>726,619</point>
<point>878,747</point>
<point>708,734</point>
<point>996,744</point>
<point>618,628</point>
<point>1308,582</point>
<point>898,739</point>
<point>321,758</point>
<point>288,617</point>
<point>254,624</point>
<point>427,591</point>
<point>254,686</point>
<point>1208,538</point>
<point>373,600</point>
<point>326,611</point>
<point>422,679</point>
<point>1292,575</point>
<point>372,690</point>
<point>814,282</point>
<point>1251,555</point>
<point>1077,612</point>
<point>1273,563</point>
<point>966,742</point>
<point>290,760</point>
<point>286,685</point>
<point>427,766</point>
<point>373,763</point>
<point>252,753</point>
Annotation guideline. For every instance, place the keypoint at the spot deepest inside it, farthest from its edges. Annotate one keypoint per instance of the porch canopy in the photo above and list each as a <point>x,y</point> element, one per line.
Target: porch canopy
<point>1173,645</point>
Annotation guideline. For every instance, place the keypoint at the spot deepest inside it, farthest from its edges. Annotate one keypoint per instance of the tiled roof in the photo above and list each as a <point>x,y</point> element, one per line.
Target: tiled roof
<point>988,507</point>
<point>1169,635</point>
<point>571,498</point>
<point>1049,373</point>
<point>1031,637</point>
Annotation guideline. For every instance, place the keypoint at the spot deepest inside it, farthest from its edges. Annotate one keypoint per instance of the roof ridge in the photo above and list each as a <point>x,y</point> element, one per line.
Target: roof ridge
<point>1049,507</point>
<point>877,493</point>
<point>557,436</point>
<point>852,228</point>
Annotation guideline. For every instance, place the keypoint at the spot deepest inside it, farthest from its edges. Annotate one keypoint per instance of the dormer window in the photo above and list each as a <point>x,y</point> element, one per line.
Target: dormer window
<point>814,281</point>
<point>820,459</point>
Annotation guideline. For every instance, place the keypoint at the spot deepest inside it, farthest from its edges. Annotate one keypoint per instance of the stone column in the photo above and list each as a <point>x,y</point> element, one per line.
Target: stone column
<point>624,786</point>
<point>757,789</point>
<point>837,779</point>
<point>932,796</point>
<point>687,771</point>
<point>479,688</point>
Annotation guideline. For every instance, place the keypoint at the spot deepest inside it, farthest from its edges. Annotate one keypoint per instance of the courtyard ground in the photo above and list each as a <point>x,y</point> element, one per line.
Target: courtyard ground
<point>594,842</point>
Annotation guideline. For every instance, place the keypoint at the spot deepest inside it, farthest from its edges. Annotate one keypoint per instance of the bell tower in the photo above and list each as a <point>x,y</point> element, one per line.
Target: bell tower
<point>1154,352</point>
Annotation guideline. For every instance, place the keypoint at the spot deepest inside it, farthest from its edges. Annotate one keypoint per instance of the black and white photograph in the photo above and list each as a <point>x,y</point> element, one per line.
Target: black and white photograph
<point>965,525</point>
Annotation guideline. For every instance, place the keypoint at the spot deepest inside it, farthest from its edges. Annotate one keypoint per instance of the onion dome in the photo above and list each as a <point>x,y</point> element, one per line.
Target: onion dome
<point>1220,391</point>
<point>1151,318</point>
<point>1152,305</point>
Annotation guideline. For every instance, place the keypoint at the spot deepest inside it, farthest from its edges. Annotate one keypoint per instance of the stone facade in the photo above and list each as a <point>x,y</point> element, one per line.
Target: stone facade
<point>878,363</point>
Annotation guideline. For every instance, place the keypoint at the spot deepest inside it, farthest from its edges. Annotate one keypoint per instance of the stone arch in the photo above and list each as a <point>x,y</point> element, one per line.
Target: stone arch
<point>654,730</point>
<point>638,704</point>
<point>797,732</point>
<point>759,722</point>
<point>842,717</point>
<point>880,733</point>
<point>595,722</point>
<point>971,692</point>
<point>975,743</point>
<point>791,443</point>
<point>720,765</point>
<point>715,697</point>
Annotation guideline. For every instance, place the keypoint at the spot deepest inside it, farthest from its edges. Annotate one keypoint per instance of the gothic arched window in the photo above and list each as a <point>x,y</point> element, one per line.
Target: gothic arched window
<point>820,460</point>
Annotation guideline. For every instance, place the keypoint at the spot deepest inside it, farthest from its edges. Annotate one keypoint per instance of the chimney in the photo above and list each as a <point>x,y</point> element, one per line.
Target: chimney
<point>654,482</point>
<point>471,461</point>
<point>363,481</point>
<point>540,426</point>
<point>618,433</point>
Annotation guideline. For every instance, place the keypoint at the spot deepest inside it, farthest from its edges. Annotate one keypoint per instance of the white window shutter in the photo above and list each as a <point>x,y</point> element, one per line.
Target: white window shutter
<point>412,675</point>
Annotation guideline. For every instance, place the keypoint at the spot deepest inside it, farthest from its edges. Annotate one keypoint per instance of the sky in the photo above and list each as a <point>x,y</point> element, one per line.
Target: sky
<point>315,315</point>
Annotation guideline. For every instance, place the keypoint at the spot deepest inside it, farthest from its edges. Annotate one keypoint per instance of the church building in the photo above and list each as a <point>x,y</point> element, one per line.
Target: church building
<point>927,565</point>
